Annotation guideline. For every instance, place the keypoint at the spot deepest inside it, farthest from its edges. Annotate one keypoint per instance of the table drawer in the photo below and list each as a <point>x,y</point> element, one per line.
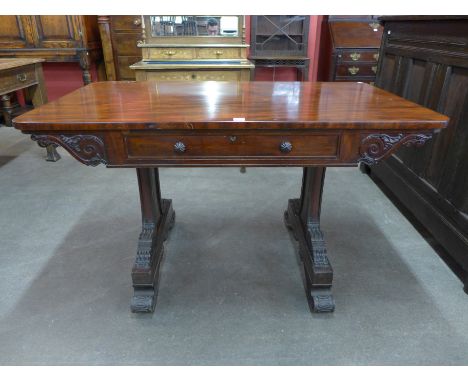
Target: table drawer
<point>194,75</point>
<point>17,78</point>
<point>356,70</point>
<point>144,146</point>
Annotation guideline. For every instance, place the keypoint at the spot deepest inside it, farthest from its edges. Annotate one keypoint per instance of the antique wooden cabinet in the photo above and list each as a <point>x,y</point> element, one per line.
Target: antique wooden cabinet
<point>120,36</point>
<point>280,41</point>
<point>425,59</point>
<point>54,38</point>
<point>193,48</point>
<point>355,43</point>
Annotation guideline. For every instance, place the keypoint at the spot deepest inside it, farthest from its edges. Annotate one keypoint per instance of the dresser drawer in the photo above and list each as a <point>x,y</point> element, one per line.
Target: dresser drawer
<point>356,70</point>
<point>125,44</point>
<point>169,53</point>
<point>357,55</point>
<point>220,53</point>
<point>126,23</point>
<point>17,78</point>
<point>123,63</point>
<point>194,75</point>
<point>144,146</point>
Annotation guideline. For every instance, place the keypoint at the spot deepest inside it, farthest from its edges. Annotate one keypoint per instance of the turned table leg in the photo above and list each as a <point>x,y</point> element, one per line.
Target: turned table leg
<point>7,109</point>
<point>157,219</point>
<point>303,218</point>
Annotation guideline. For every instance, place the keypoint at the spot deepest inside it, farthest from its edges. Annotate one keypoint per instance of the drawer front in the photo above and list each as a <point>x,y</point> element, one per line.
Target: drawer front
<point>17,78</point>
<point>126,23</point>
<point>170,53</point>
<point>194,75</point>
<point>357,55</point>
<point>175,147</point>
<point>125,73</point>
<point>356,70</point>
<point>125,44</point>
<point>221,53</point>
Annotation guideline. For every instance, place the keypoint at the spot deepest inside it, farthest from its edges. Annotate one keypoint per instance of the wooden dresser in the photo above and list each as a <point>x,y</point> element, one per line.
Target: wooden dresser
<point>181,48</point>
<point>54,38</point>
<point>120,36</point>
<point>355,47</point>
<point>425,59</point>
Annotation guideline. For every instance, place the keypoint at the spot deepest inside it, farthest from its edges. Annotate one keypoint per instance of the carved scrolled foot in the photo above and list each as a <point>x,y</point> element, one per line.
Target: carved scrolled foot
<point>52,154</point>
<point>321,300</point>
<point>143,300</point>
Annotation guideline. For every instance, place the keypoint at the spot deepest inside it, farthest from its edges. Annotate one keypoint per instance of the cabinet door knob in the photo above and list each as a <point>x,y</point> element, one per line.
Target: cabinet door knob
<point>353,70</point>
<point>285,147</point>
<point>179,147</point>
<point>355,56</point>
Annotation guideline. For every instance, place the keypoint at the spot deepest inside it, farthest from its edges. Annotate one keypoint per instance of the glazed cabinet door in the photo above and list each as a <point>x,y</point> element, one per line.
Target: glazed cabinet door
<point>57,31</point>
<point>15,32</point>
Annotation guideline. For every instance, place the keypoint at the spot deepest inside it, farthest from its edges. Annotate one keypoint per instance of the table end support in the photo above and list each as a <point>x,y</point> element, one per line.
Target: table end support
<point>313,255</point>
<point>146,270</point>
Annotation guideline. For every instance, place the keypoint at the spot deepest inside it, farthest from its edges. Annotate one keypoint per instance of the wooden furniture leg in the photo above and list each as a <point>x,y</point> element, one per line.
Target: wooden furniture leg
<point>7,109</point>
<point>157,219</point>
<point>303,218</point>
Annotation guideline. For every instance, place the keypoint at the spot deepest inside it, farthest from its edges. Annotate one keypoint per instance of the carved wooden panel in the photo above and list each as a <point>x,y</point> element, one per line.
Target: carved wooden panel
<point>426,61</point>
<point>15,32</point>
<point>57,32</point>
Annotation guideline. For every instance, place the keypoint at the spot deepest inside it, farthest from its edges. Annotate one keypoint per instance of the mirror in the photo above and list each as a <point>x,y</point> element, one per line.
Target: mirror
<point>193,26</point>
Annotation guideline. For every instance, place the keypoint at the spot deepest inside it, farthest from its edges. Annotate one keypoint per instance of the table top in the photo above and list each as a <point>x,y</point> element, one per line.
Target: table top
<point>234,105</point>
<point>8,63</point>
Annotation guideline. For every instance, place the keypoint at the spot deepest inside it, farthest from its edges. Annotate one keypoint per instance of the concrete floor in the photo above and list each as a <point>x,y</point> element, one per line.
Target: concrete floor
<point>231,291</point>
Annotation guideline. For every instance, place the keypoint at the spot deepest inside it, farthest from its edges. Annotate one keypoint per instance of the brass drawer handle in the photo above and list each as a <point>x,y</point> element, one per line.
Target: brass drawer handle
<point>374,69</point>
<point>285,147</point>
<point>219,52</point>
<point>376,57</point>
<point>137,22</point>
<point>374,26</point>
<point>179,147</point>
<point>22,77</point>
<point>170,52</point>
<point>353,70</point>
<point>355,56</point>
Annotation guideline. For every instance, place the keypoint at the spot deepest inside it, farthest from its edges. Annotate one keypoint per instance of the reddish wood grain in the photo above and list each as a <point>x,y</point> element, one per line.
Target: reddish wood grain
<point>106,106</point>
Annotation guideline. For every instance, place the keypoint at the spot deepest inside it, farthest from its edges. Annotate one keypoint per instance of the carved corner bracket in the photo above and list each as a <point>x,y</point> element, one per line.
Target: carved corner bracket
<point>376,147</point>
<point>88,149</point>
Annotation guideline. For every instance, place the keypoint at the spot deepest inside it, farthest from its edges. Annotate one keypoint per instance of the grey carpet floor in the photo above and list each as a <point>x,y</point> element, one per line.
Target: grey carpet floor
<point>231,289</point>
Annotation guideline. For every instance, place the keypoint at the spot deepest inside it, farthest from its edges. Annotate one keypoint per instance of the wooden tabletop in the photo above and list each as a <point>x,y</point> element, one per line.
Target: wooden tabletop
<point>213,104</point>
<point>8,63</point>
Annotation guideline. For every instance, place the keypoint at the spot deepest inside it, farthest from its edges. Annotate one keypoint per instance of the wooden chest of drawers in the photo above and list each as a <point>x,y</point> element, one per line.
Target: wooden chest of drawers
<point>120,36</point>
<point>355,48</point>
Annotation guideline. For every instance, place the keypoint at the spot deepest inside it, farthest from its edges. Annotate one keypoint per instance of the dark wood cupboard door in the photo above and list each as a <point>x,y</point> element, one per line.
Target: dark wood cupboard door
<point>15,32</point>
<point>57,31</point>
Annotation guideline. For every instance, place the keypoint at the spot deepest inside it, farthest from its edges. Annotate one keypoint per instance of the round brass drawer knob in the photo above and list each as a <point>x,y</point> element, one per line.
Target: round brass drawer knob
<point>179,147</point>
<point>285,147</point>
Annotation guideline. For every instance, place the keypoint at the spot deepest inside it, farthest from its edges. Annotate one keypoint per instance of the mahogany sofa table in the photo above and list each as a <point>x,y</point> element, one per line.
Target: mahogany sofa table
<point>147,125</point>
